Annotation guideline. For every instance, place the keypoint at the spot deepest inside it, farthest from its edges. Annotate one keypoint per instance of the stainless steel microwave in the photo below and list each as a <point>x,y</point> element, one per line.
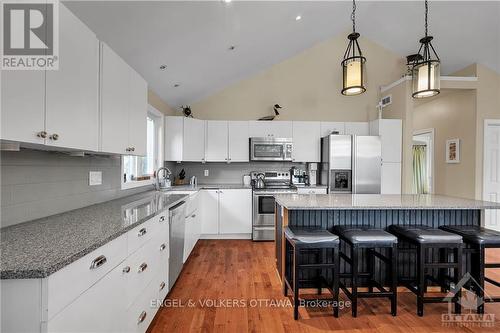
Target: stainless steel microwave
<point>271,149</point>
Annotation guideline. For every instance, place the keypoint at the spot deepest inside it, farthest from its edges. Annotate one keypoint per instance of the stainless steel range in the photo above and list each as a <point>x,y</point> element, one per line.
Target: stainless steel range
<point>275,182</point>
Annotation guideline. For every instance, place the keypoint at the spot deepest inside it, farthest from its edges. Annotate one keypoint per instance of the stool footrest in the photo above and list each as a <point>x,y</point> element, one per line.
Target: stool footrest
<point>441,265</point>
<point>493,282</point>
<point>315,266</point>
<point>366,294</point>
<point>492,265</point>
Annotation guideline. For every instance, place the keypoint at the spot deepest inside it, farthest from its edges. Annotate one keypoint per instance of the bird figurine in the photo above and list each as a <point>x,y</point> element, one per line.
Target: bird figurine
<point>186,111</point>
<point>276,107</point>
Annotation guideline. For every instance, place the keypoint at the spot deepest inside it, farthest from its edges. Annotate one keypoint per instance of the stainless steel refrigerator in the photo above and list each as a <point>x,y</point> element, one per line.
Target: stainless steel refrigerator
<point>351,163</point>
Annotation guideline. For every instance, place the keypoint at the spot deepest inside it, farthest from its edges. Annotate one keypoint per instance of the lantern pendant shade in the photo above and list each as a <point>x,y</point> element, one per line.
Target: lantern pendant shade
<point>426,79</point>
<point>353,68</point>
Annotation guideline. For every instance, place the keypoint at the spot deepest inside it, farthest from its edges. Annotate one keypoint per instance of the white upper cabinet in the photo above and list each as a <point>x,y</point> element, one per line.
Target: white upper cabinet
<point>174,138</point>
<point>217,141</point>
<point>306,141</point>
<point>328,127</point>
<point>357,128</point>
<point>194,140</point>
<point>238,141</point>
<point>23,110</point>
<point>277,129</point>
<point>391,137</point>
<point>123,106</point>
<point>72,104</point>
<point>235,215</point>
<point>137,113</point>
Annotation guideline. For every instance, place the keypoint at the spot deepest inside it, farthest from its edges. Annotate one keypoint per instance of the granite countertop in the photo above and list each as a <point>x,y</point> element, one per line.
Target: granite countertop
<point>41,247</point>
<point>379,201</point>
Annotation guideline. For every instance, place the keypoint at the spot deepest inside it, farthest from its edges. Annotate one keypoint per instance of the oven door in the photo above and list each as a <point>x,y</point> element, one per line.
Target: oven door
<point>263,210</point>
<point>267,151</point>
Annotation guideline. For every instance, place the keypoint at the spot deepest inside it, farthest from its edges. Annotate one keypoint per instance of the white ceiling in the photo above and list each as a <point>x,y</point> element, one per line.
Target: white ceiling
<point>192,38</point>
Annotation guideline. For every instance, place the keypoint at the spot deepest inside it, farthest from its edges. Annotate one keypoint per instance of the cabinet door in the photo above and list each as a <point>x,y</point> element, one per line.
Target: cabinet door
<point>391,136</point>
<point>217,141</point>
<point>306,141</point>
<point>357,128</point>
<point>210,212</point>
<point>238,141</point>
<point>327,127</point>
<point>174,130</point>
<point>115,78</point>
<point>137,113</point>
<point>391,178</point>
<point>194,140</point>
<point>72,111</point>
<point>281,129</point>
<point>23,110</point>
<point>99,309</point>
<point>235,211</point>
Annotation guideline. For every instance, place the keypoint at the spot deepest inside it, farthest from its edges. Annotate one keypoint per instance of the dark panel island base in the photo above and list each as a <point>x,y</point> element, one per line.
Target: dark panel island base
<point>379,211</point>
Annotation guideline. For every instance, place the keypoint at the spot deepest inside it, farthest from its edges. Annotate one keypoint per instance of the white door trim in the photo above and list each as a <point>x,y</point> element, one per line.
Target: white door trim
<point>430,131</point>
<point>487,123</point>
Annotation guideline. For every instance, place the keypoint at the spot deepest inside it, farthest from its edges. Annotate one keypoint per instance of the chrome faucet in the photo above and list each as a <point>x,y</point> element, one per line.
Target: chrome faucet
<point>167,174</point>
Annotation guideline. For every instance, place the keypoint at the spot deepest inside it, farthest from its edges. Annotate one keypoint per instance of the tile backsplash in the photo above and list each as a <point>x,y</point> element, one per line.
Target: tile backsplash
<point>231,173</point>
<point>36,184</point>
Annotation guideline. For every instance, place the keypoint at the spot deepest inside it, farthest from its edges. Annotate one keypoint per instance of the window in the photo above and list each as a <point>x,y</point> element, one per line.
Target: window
<point>139,170</point>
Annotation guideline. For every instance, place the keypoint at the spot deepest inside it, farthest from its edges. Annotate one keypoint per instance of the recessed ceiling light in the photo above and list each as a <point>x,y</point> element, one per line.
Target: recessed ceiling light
<point>162,67</point>
<point>177,85</point>
<point>298,18</point>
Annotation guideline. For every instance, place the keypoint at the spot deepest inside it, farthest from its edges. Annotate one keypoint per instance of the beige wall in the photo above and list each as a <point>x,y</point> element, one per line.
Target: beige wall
<point>308,87</point>
<point>488,107</point>
<point>452,115</point>
<point>155,101</point>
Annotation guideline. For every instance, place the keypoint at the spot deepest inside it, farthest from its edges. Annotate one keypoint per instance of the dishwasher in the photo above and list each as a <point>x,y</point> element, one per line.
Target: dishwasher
<point>177,215</point>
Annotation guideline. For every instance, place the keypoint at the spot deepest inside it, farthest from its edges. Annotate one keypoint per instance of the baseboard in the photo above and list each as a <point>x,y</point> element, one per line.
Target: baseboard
<point>226,236</point>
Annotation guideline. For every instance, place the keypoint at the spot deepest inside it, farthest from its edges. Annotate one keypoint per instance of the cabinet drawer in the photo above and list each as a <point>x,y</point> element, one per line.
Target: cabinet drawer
<point>139,236</point>
<point>140,314</point>
<point>70,282</point>
<point>99,309</point>
<point>140,268</point>
<point>307,190</point>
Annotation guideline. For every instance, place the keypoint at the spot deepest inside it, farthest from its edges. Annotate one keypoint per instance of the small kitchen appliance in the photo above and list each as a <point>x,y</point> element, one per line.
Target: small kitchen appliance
<point>271,149</point>
<point>312,173</point>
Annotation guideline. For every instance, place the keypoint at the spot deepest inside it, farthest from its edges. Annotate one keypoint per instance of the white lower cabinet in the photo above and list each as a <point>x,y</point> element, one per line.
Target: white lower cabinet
<point>226,213</point>
<point>108,290</point>
<point>100,309</point>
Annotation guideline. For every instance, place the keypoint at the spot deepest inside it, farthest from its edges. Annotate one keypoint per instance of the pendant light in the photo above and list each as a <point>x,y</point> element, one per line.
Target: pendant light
<point>353,64</point>
<point>426,74</point>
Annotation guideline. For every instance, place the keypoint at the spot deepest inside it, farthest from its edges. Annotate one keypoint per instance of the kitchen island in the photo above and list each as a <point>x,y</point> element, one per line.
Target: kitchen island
<point>328,210</point>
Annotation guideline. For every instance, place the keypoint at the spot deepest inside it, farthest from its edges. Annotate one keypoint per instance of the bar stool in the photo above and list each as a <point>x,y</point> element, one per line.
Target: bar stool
<point>300,240</point>
<point>424,238</point>
<point>363,237</point>
<point>478,239</point>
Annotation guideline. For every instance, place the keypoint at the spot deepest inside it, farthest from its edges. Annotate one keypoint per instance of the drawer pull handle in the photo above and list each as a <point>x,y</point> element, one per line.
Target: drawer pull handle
<point>98,262</point>
<point>126,269</point>
<point>162,285</point>
<point>142,316</point>
<point>142,232</point>
<point>163,247</point>
<point>162,218</point>
<point>194,215</point>
<point>142,267</point>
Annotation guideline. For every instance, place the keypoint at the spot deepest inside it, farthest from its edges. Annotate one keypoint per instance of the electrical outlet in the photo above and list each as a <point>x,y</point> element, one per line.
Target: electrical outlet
<point>95,178</point>
<point>205,173</point>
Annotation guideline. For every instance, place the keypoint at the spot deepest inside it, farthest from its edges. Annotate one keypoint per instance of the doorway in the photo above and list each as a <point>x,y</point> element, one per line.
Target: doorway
<point>423,161</point>
<point>491,171</point>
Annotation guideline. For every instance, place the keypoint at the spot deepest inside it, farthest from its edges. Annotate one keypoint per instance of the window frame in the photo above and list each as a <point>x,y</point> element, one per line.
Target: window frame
<point>159,120</point>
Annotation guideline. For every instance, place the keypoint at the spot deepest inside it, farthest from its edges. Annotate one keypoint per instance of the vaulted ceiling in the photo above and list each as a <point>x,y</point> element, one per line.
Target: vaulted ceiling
<point>193,39</point>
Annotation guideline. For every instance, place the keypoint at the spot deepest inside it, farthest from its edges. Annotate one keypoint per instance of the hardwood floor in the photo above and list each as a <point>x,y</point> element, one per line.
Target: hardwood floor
<point>242,274</point>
